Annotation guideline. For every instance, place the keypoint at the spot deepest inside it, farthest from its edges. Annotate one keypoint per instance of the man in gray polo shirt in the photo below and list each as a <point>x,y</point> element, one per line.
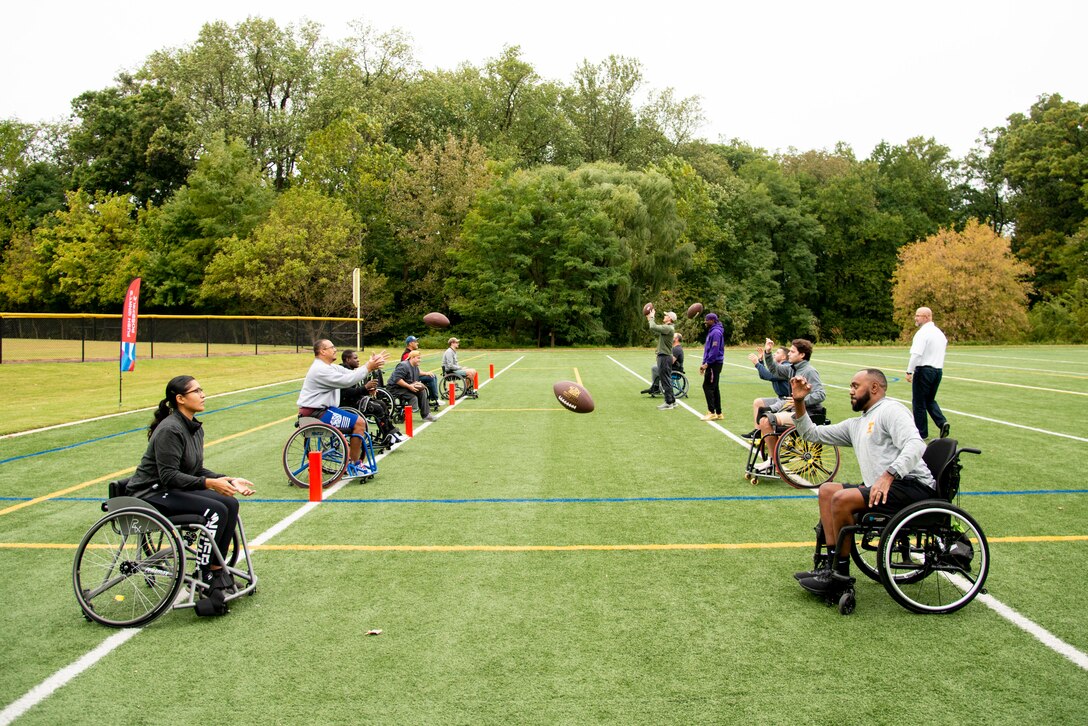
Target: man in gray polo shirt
<point>889,451</point>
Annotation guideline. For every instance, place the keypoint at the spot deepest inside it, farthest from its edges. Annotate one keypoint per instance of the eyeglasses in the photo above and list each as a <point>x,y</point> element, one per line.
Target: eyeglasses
<point>193,390</point>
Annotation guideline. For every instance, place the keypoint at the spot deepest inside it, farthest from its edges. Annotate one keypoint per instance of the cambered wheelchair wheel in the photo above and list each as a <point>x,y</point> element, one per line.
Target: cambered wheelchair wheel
<point>384,398</point>
<point>460,385</point>
<point>866,552</point>
<point>805,464</point>
<point>679,385</point>
<point>934,557</point>
<point>315,437</point>
<point>128,568</point>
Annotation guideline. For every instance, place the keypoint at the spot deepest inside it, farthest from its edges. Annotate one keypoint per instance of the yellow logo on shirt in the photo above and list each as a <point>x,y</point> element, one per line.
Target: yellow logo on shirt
<point>869,430</point>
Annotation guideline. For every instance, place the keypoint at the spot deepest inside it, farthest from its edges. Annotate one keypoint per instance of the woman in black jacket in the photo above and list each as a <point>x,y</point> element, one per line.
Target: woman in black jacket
<point>172,477</point>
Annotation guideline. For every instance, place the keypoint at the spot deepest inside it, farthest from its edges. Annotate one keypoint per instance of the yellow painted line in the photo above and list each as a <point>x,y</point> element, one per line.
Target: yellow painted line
<point>577,377</point>
<point>1042,538</point>
<point>540,548</point>
<point>129,470</point>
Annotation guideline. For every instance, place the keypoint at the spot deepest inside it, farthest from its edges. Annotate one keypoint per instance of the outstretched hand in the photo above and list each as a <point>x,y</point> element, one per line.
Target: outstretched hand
<point>800,387</point>
<point>377,361</point>
<point>753,358</point>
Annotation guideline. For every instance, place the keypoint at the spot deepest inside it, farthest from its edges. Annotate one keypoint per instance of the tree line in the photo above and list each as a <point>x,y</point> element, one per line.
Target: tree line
<point>251,171</point>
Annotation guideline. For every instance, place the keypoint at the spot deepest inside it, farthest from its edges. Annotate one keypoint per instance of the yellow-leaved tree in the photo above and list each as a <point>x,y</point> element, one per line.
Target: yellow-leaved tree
<point>970,279</point>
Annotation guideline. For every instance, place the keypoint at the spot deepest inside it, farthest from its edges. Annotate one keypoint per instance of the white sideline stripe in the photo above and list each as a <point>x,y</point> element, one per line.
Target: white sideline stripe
<point>985,418</point>
<point>1040,633</point>
<point>953,355</point>
<point>135,410</point>
<point>43,690</point>
<point>976,380</point>
<point>963,413</point>
<point>50,685</point>
<point>729,434</point>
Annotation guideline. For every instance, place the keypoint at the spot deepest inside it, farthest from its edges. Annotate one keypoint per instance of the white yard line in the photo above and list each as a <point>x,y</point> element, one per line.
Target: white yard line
<point>54,682</point>
<point>136,410</point>
<point>973,380</point>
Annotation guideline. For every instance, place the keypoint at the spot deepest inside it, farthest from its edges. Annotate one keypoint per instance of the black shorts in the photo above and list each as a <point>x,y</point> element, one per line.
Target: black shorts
<point>907,490</point>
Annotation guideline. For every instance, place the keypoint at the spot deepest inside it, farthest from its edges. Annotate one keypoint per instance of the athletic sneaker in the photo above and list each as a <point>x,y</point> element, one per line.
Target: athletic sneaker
<point>710,417</point>
<point>666,407</point>
<point>719,417</point>
<point>753,434</point>
<point>945,428</point>
<point>826,583</point>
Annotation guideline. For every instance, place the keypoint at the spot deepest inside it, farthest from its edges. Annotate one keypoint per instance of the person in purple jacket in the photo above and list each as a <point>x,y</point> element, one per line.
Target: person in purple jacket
<point>711,369</point>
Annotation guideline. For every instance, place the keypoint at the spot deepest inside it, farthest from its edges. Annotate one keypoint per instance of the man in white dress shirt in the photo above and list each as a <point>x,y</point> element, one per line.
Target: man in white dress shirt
<point>924,372</point>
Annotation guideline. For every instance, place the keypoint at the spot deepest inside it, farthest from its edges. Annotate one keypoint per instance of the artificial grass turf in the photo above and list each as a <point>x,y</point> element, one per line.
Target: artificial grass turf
<point>585,636</point>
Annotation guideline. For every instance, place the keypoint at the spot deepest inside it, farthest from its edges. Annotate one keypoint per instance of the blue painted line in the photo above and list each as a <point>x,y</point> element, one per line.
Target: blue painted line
<point>142,428</point>
<point>570,500</point>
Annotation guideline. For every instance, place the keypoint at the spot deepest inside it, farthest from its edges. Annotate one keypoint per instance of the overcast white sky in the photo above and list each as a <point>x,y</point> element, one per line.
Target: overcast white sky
<point>774,74</point>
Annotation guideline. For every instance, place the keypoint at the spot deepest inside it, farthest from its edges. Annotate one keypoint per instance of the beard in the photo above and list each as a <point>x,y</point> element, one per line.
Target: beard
<point>859,402</point>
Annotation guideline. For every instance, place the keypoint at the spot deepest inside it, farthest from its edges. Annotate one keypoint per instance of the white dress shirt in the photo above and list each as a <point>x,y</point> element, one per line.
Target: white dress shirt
<point>927,348</point>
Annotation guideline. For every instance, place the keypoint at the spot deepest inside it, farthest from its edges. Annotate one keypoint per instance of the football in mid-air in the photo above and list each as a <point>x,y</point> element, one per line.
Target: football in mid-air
<point>436,320</point>
<point>694,310</point>
<point>647,308</point>
<point>573,396</point>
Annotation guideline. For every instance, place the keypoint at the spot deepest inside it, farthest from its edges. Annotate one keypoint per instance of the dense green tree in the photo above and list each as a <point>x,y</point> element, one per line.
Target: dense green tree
<point>600,105</point>
<point>566,256</point>
<point>428,202</point>
<point>255,81</point>
<point>1045,160</point>
<point>131,138</point>
<point>296,263</point>
<point>225,196</point>
<point>82,261</point>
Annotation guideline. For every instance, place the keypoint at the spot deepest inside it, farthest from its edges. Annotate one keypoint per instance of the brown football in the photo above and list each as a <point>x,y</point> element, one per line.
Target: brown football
<point>436,320</point>
<point>694,310</point>
<point>647,309</point>
<point>572,396</point>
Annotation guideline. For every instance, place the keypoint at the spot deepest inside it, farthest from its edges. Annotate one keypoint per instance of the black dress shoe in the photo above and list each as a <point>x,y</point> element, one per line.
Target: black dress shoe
<point>945,428</point>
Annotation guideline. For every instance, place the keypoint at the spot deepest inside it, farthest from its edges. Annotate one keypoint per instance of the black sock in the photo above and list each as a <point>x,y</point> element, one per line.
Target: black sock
<point>842,566</point>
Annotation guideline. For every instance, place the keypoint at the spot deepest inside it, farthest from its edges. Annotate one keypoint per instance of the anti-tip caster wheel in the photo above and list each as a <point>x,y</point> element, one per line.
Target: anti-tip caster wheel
<point>847,602</point>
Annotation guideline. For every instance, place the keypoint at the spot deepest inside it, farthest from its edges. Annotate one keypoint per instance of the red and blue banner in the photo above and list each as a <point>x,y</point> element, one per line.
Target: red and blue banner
<point>129,319</point>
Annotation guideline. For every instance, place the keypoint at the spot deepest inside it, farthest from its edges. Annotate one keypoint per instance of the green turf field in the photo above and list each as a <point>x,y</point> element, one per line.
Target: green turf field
<point>529,565</point>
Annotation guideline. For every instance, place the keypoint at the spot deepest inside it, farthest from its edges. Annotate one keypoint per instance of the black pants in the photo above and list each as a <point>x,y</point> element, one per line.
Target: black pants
<point>664,376</point>
<point>221,512</point>
<point>711,380</point>
<point>924,387</point>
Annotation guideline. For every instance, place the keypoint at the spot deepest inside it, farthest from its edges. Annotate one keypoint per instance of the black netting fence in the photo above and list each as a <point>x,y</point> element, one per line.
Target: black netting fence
<point>25,337</point>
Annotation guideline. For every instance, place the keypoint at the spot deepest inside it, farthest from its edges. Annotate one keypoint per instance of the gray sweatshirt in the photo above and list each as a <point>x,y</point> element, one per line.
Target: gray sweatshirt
<point>323,382</point>
<point>884,439</point>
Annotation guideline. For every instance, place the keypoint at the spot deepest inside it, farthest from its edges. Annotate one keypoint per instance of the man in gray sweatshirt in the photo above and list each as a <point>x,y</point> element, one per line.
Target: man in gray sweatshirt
<point>889,452</point>
<point>320,394</point>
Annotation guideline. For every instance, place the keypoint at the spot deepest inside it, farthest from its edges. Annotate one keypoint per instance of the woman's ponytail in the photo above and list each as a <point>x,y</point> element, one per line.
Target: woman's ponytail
<point>176,387</point>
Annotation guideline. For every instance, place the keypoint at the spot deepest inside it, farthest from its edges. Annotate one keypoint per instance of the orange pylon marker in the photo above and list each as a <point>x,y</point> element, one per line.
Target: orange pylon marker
<point>476,381</point>
<point>490,370</point>
<point>408,421</point>
<point>453,394</point>
<point>314,460</point>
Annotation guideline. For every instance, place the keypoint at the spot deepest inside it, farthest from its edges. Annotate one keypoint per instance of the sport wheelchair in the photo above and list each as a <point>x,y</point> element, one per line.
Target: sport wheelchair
<point>679,386</point>
<point>931,556</point>
<point>801,464</point>
<point>460,385</point>
<point>312,435</point>
<point>133,563</point>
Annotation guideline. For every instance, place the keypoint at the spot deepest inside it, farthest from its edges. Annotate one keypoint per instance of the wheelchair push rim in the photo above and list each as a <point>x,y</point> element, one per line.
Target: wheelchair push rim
<point>805,464</point>
<point>315,437</point>
<point>128,568</point>
<point>946,563</point>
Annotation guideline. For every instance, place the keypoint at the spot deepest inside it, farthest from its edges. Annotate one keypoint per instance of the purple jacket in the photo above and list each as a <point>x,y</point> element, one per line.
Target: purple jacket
<point>714,348</point>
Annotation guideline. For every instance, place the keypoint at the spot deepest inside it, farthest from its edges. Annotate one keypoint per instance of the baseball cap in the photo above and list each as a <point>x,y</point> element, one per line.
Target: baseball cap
<point>410,339</point>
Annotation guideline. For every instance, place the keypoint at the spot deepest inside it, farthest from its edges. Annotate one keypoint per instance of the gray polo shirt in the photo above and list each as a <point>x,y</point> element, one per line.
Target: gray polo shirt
<point>884,439</point>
